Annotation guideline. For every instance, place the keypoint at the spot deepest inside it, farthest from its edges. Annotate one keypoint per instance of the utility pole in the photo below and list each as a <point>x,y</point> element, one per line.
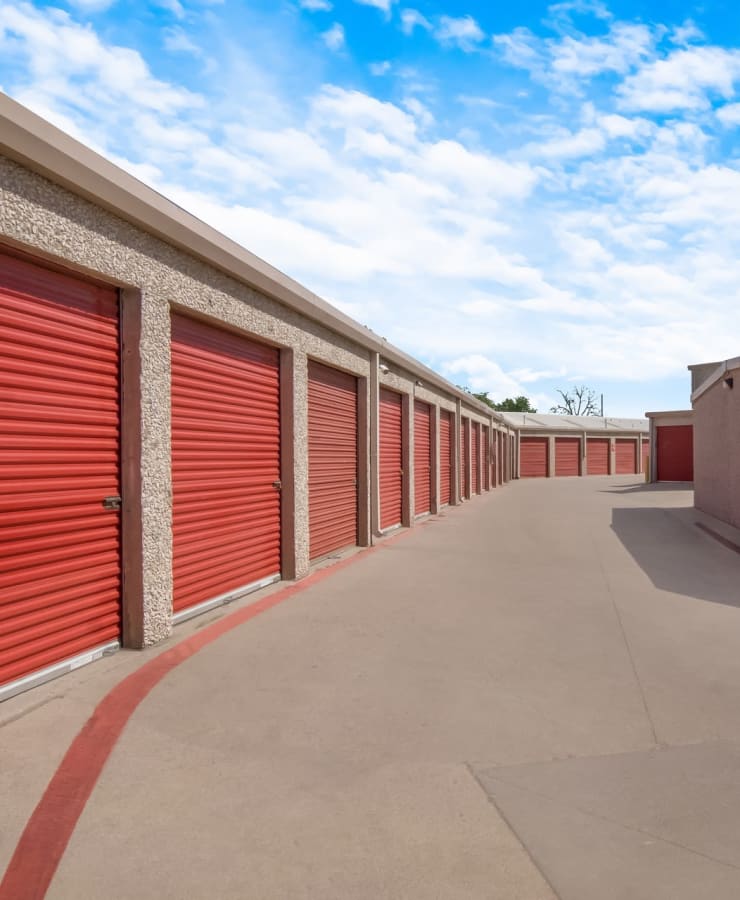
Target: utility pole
<point>602,406</point>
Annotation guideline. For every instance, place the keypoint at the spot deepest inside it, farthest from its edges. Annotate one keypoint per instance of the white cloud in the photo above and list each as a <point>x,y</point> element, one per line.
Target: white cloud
<point>334,37</point>
<point>382,5</point>
<point>412,19</point>
<point>569,145</point>
<point>175,40</point>
<point>729,114</point>
<point>684,80</point>
<point>463,32</point>
<point>92,6</point>
<point>340,108</point>
<point>315,5</point>
<point>380,68</point>
<point>622,48</point>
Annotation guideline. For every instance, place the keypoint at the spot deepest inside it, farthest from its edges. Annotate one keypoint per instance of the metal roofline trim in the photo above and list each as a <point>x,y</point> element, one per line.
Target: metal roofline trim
<point>727,366</point>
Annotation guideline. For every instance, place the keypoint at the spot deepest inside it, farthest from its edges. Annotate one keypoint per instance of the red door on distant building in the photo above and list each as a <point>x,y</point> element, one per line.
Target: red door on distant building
<point>533,457</point>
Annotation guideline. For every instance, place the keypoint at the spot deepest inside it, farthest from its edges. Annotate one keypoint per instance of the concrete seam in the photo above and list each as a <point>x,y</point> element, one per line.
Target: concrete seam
<point>513,830</point>
<point>601,818</point>
<point>636,674</point>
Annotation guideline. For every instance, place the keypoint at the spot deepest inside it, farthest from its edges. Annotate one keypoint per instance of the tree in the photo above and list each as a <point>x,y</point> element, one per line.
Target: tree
<point>515,404</point>
<point>579,401</point>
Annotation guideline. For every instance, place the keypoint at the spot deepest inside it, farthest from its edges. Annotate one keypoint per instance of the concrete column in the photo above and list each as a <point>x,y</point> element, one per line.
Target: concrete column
<point>294,463</point>
<point>407,437</point>
<point>612,455</point>
<point>455,498</point>
<point>551,456</point>
<point>582,469</point>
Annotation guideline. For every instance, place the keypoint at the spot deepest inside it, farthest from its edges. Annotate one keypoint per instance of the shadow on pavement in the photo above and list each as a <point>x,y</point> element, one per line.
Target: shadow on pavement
<point>654,488</point>
<point>676,556</point>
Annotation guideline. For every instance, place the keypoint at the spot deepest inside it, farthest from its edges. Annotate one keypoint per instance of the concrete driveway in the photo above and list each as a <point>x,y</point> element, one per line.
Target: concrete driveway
<point>533,696</point>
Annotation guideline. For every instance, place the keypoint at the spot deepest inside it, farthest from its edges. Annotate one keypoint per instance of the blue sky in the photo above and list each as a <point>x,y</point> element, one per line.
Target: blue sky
<point>524,196</point>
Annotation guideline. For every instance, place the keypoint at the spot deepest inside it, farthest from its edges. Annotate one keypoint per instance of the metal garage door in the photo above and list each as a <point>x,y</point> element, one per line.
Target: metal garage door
<point>59,460</point>
<point>475,458</point>
<point>422,457</point>
<point>332,459</point>
<point>597,456</point>
<point>675,449</point>
<point>464,458</point>
<point>486,458</point>
<point>445,456</point>
<point>391,458</point>
<point>225,463</point>
<point>533,457</point>
<point>567,456</point>
<point>625,456</point>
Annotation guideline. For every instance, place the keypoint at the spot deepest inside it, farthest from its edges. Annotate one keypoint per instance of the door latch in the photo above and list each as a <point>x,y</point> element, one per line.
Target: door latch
<point>112,503</point>
<point>278,485</point>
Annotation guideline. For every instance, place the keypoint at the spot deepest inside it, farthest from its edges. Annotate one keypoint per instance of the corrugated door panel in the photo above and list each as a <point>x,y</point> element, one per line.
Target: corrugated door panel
<point>486,458</point>
<point>332,459</point>
<point>464,458</point>
<point>60,591</point>
<point>597,456</point>
<point>625,456</point>
<point>445,456</point>
<point>422,457</point>
<point>567,456</point>
<point>391,458</point>
<point>475,458</point>
<point>675,449</point>
<point>225,461</point>
<point>533,457</point>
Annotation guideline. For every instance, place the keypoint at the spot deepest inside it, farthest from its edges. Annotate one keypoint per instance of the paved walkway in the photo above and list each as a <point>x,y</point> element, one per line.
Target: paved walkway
<point>533,696</point>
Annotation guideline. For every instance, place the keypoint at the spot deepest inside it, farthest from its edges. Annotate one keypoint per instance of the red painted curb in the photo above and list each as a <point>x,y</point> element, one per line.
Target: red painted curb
<point>49,829</point>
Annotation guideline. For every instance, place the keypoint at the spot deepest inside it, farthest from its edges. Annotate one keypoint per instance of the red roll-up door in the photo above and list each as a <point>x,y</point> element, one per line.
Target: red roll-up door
<point>422,457</point>
<point>675,449</point>
<point>464,459</point>
<point>225,462</point>
<point>59,459</point>
<point>567,456</point>
<point>625,456</point>
<point>533,457</point>
<point>597,456</point>
<point>445,456</point>
<point>332,459</point>
<point>486,458</point>
<point>475,459</point>
<point>391,458</point>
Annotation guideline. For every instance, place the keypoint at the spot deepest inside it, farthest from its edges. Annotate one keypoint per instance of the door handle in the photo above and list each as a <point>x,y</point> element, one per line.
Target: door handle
<point>112,503</point>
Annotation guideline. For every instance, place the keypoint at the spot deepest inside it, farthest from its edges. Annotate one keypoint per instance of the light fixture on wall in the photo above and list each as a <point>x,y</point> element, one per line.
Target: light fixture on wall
<point>418,383</point>
<point>383,368</point>
<point>729,382</point>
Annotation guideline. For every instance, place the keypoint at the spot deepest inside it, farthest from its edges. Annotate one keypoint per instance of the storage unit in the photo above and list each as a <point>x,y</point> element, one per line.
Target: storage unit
<point>225,463</point>
<point>60,568</point>
<point>597,456</point>
<point>567,456</point>
<point>475,459</point>
<point>533,453</point>
<point>332,459</point>
<point>625,456</point>
<point>446,420</point>
<point>675,452</point>
<point>422,457</point>
<point>390,474</point>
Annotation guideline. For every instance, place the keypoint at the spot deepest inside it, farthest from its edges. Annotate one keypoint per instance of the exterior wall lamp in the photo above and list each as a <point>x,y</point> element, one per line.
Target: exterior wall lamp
<point>729,382</point>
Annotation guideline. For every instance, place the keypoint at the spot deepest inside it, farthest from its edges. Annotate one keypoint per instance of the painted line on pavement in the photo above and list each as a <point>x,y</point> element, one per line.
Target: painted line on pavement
<point>50,827</point>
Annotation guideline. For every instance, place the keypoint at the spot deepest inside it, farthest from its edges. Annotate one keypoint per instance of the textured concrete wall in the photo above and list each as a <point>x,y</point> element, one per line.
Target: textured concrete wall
<point>716,453</point>
<point>43,218</point>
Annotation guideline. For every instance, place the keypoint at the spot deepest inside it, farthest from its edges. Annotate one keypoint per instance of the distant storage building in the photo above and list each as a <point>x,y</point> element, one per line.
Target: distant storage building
<point>557,446</point>
<point>672,440</point>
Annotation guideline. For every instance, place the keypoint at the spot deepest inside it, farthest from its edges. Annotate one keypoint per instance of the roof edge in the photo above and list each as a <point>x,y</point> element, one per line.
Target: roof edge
<point>726,366</point>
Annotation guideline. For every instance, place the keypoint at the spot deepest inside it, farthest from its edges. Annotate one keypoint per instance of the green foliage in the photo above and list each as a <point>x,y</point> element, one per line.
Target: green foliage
<point>515,404</point>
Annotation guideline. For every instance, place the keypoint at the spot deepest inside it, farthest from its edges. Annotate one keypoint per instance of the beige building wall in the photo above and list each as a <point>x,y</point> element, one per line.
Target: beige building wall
<point>717,447</point>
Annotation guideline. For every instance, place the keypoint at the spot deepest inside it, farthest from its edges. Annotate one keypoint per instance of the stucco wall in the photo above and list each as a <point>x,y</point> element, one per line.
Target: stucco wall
<point>717,450</point>
<point>42,218</point>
